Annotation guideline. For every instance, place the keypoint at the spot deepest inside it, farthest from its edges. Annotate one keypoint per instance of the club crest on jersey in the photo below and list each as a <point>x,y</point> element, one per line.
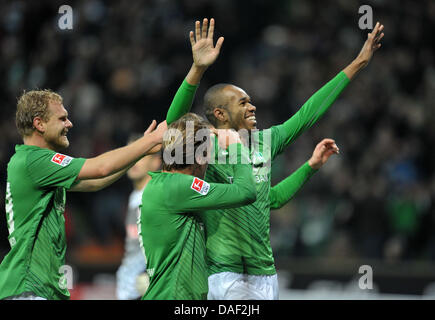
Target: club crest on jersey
<point>61,159</point>
<point>200,186</point>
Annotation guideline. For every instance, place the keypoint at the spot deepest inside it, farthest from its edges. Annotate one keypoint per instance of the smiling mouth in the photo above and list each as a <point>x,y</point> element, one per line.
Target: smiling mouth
<point>251,118</point>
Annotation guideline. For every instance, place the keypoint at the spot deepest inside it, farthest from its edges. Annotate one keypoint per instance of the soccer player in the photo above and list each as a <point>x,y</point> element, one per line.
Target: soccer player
<point>170,229</point>
<point>240,259</point>
<point>38,176</point>
<point>131,278</point>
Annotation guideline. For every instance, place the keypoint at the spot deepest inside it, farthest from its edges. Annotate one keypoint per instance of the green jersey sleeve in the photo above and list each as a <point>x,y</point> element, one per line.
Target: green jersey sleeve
<point>48,168</point>
<point>285,190</point>
<point>182,102</point>
<point>312,110</point>
<point>195,194</point>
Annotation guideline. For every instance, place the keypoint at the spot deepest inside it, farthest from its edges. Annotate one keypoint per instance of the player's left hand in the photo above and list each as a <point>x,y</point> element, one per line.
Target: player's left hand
<point>203,51</point>
<point>372,44</point>
<point>323,150</point>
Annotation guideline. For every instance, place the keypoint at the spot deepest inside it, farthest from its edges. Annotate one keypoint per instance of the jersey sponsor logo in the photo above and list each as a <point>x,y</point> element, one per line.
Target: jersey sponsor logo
<point>61,159</point>
<point>200,186</point>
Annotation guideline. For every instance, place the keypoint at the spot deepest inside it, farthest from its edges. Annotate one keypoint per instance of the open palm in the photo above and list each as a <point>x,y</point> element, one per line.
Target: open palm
<point>203,51</point>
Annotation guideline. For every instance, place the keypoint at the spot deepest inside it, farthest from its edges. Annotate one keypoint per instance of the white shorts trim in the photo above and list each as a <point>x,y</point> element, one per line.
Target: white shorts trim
<point>238,286</point>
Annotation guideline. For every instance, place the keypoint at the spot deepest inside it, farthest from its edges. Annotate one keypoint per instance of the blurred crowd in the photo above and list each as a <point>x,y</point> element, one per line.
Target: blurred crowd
<point>122,62</point>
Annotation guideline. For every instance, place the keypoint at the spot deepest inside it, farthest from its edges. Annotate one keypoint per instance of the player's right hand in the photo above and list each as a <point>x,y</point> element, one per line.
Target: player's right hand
<point>203,51</point>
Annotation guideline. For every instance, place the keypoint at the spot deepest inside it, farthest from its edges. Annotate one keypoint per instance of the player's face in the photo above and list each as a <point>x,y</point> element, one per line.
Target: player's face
<point>141,168</point>
<point>241,112</point>
<point>57,126</point>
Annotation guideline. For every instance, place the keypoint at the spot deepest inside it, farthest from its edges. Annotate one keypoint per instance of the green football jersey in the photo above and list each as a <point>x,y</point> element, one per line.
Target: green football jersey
<point>172,234</point>
<point>35,203</point>
<point>239,240</point>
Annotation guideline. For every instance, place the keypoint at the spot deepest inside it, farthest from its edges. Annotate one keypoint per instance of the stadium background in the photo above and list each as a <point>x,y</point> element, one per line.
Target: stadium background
<point>120,66</point>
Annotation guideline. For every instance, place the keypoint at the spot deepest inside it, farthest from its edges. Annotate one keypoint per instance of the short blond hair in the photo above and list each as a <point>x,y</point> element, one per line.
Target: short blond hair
<point>33,104</point>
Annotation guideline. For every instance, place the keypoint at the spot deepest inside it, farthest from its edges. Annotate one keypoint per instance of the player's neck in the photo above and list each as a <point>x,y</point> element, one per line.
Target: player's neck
<point>224,126</point>
<point>36,140</point>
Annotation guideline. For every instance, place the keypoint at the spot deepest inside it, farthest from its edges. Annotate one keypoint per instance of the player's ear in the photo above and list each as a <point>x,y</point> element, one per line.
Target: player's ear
<point>220,114</point>
<point>39,124</point>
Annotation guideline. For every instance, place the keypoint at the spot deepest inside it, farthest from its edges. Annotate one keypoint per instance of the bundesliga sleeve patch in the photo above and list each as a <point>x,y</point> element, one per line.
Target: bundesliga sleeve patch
<point>200,186</point>
<point>61,159</point>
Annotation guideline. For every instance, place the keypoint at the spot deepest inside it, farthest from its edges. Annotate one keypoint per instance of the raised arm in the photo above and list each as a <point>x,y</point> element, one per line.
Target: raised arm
<point>285,190</point>
<point>317,105</point>
<point>204,54</point>
<point>121,159</point>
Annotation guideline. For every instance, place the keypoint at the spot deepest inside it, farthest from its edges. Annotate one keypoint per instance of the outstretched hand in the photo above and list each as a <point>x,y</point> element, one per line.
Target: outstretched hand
<point>158,132</point>
<point>372,44</point>
<point>322,152</point>
<point>203,51</point>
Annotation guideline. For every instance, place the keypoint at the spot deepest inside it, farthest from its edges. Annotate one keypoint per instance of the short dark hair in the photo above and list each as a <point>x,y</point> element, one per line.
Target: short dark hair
<point>213,100</point>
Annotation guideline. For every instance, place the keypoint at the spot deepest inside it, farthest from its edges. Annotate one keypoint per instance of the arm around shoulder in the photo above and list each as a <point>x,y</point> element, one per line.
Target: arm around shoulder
<point>119,159</point>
